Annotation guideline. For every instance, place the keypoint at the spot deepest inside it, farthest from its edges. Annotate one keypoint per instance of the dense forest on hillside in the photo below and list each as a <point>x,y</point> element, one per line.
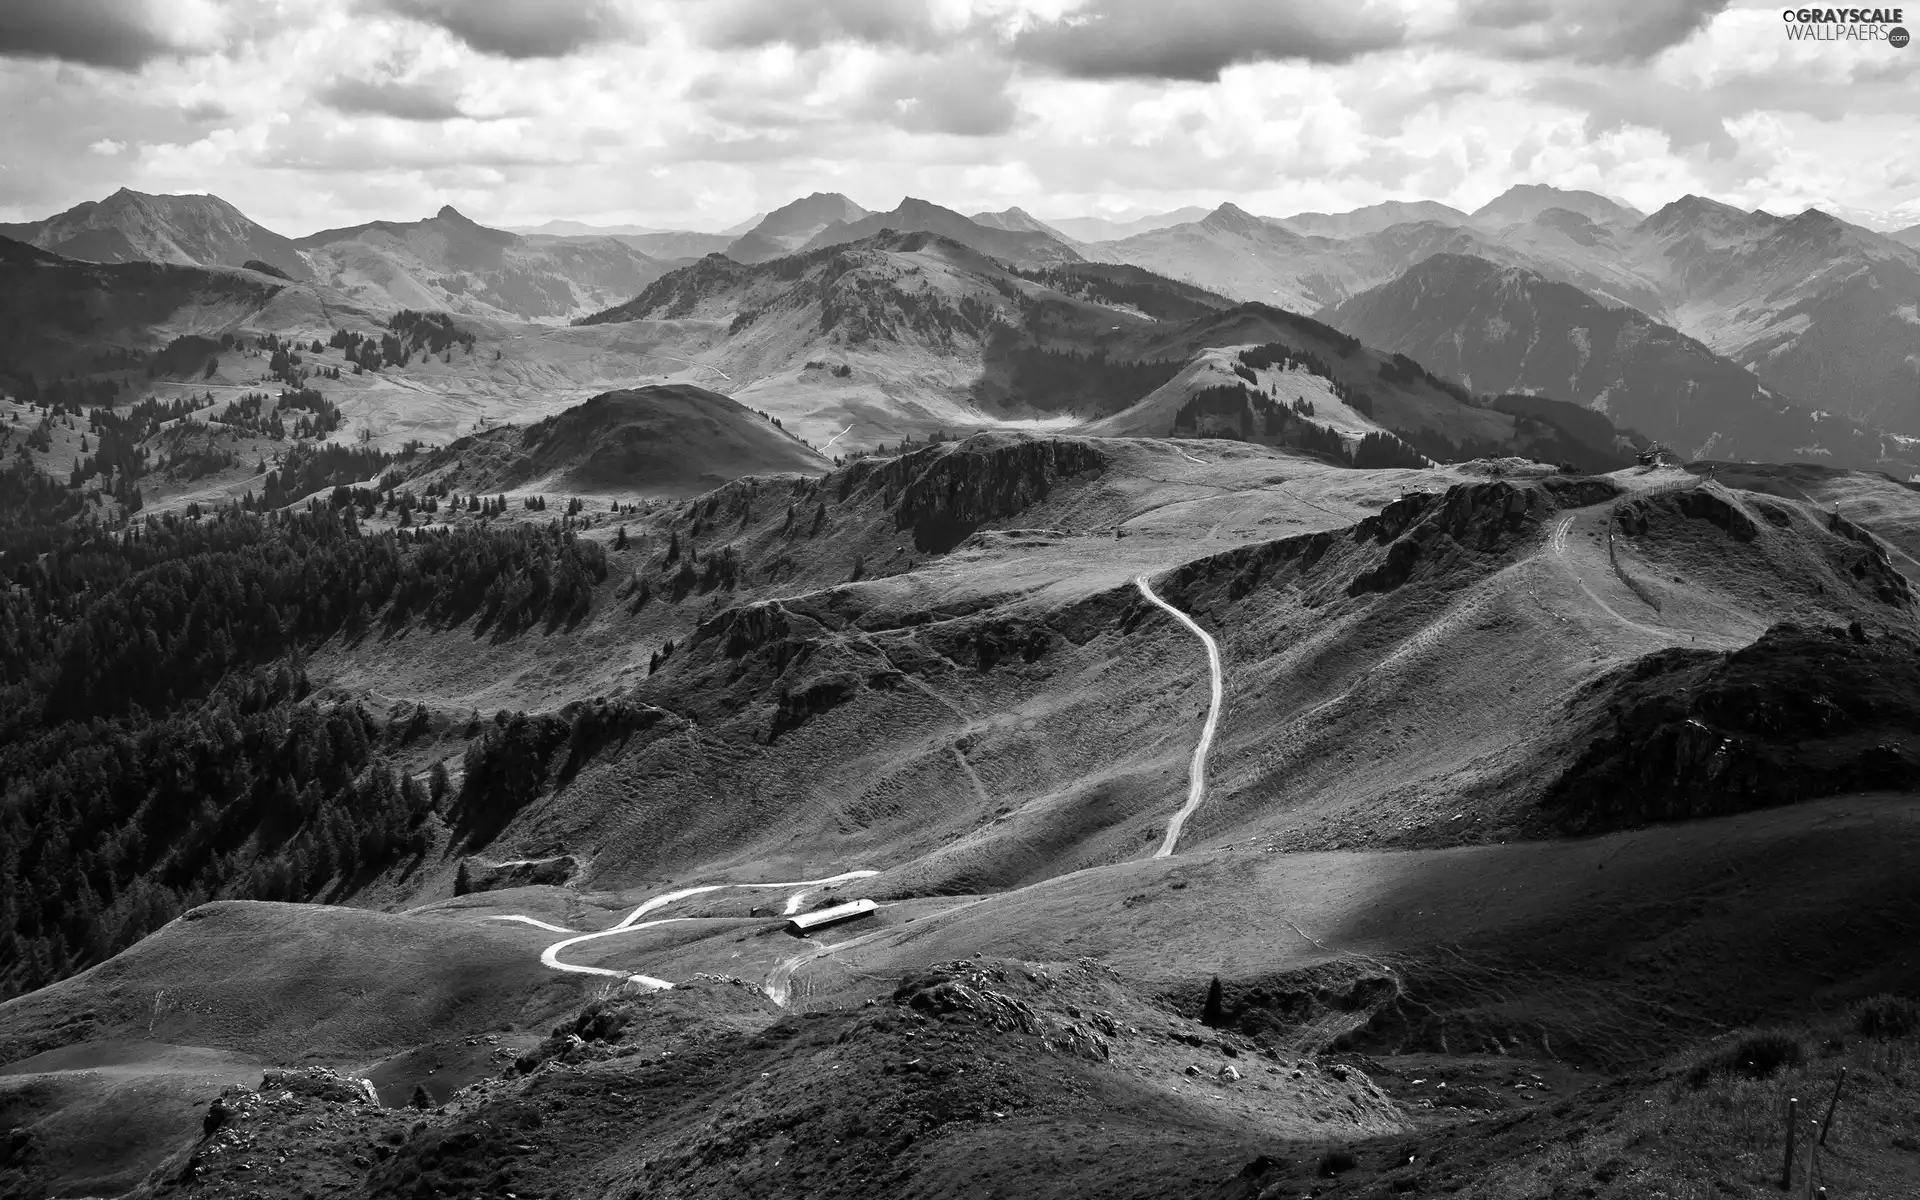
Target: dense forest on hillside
<point>159,745</point>
<point>1077,381</point>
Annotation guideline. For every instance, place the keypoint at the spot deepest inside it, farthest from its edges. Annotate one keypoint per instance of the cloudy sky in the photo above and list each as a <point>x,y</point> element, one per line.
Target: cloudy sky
<point>697,113</point>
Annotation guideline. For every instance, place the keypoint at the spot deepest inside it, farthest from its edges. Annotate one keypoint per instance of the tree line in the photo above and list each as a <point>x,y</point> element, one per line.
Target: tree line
<point>159,745</point>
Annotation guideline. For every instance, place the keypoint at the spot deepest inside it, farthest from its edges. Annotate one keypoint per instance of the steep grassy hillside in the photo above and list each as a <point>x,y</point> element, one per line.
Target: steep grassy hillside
<point>59,315</point>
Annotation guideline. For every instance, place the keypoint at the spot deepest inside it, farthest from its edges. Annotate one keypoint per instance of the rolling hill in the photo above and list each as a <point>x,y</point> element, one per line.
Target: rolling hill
<point>673,440</point>
<point>1511,330</point>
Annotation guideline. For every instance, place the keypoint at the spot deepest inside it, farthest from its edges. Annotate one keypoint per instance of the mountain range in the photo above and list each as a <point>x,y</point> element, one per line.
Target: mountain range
<point>1814,307</point>
<point>449,262</point>
<point>1816,312</point>
<point>1508,329</point>
<point>1102,229</point>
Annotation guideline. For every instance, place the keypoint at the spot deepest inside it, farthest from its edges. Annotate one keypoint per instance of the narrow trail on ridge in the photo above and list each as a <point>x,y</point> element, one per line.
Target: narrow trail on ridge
<point>1197,774</point>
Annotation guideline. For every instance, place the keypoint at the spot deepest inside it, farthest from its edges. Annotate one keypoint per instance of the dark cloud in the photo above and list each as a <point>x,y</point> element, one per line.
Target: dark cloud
<point>1581,29</point>
<point>518,28</point>
<point>959,94</point>
<point>206,110</point>
<point>388,98</point>
<point>806,24</point>
<point>100,33</point>
<point>1185,39</point>
<point>1687,118</point>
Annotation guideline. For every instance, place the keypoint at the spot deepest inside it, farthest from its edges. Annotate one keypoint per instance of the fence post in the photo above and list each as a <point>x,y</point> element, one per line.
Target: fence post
<point>1813,1161</point>
<point>1826,1126</point>
<point>1793,1121</point>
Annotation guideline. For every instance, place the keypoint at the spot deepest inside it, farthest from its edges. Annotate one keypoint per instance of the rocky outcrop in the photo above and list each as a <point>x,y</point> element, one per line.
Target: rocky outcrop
<point>492,877</point>
<point>1799,714</point>
<point>318,1083</point>
<point>980,993</point>
<point>946,492</point>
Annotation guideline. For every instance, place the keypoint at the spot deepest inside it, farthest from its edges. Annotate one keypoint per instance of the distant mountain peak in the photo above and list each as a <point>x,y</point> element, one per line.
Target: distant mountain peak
<point>1692,209</point>
<point>1231,218</point>
<point>195,229</point>
<point>449,213</point>
<point>787,227</point>
<point>1524,201</point>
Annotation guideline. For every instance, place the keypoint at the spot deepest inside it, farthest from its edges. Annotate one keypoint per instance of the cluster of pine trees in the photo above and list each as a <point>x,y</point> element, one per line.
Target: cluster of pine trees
<point>362,351</point>
<point>307,469</point>
<point>433,332</point>
<point>1127,287</point>
<point>112,828</point>
<point>1249,415</point>
<point>1402,369</point>
<point>70,393</point>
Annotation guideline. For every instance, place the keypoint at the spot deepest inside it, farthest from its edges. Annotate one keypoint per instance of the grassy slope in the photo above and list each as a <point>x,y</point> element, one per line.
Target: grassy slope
<point>992,778</point>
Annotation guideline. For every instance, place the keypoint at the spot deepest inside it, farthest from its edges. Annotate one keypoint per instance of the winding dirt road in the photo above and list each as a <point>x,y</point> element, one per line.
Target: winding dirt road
<point>1197,773</point>
<point>780,980</point>
<point>631,923</point>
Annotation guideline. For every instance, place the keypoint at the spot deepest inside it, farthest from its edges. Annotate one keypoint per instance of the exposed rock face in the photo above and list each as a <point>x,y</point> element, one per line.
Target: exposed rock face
<point>971,991</point>
<point>492,877</point>
<point>1800,713</point>
<point>1466,527</point>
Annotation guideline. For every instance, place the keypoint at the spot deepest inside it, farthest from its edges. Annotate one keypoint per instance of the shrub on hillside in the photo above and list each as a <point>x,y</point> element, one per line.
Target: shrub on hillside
<point>1887,1016</point>
<point>1756,1056</point>
<point>1336,1162</point>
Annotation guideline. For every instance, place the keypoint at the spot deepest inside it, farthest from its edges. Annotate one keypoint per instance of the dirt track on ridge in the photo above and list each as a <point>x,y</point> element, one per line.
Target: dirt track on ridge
<point>1197,774</point>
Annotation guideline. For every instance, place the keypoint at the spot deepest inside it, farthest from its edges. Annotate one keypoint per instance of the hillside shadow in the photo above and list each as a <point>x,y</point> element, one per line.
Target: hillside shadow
<point>1616,949</point>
